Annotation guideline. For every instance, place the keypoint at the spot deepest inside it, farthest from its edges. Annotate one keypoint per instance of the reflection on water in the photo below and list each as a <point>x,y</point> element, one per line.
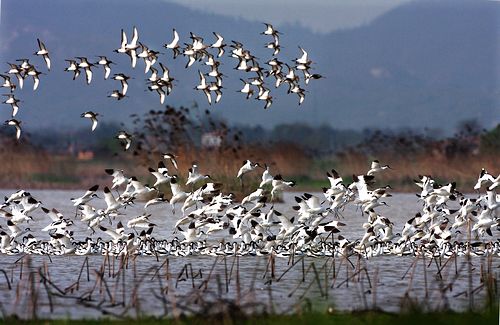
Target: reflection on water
<point>189,284</point>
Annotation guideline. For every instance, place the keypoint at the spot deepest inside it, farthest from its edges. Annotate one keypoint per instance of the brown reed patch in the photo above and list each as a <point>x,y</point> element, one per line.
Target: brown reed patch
<point>28,167</point>
<point>462,169</point>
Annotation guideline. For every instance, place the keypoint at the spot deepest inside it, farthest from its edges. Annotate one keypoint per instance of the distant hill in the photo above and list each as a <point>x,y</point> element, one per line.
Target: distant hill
<point>423,64</point>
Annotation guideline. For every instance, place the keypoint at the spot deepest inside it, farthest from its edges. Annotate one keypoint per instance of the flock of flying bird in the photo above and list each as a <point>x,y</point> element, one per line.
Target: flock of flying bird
<point>214,223</point>
<point>254,225</point>
<point>256,83</point>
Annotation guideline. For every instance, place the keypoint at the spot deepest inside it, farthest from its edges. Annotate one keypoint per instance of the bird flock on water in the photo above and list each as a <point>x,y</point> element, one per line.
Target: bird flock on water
<point>214,223</point>
<point>258,78</point>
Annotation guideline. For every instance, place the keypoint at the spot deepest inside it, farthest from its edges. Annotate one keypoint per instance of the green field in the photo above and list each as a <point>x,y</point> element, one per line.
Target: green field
<point>369,317</point>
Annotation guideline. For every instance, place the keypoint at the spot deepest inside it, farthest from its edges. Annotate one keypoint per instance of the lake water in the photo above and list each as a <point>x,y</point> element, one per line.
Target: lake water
<point>200,283</point>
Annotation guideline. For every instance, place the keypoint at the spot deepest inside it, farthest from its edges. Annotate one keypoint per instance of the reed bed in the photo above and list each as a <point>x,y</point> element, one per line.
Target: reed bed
<point>221,289</point>
<point>34,169</point>
<point>181,131</point>
<point>462,169</point>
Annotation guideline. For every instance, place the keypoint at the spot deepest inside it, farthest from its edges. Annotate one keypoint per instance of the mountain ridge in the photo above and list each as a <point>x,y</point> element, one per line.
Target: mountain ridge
<point>422,64</point>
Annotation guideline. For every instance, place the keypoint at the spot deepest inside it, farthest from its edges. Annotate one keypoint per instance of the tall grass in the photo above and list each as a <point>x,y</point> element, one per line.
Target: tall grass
<point>27,167</point>
<point>217,290</point>
<point>462,169</point>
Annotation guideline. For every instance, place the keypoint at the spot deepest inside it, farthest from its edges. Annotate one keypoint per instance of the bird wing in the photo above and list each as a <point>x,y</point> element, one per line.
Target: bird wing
<point>107,71</point>
<point>133,57</point>
<point>174,41</point>
<point>124,86</point>
<point>47,60</point>
<point>88,75</point>
<point>36,82</point>
<point>109,198</point>
<point>18,131</point>
<point>94,123</point>
<point>124,39</point>
<point>135,37</point>
<point>209,96</point>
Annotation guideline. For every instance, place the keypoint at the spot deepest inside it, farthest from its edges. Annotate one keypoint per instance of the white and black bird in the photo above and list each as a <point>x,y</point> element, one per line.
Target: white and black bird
<point>116,235</point>
<point>129,48</point>
<point>270,30</point>
<point>73,67</point>
<point>142,192</point>
<point>106,63</point>
<point>246,89</point>
<point>92,116</point>
<point>53,214</point>
<point>178,195</point>
<point>126,139</point>
<point>7,83</point>
<point>25,64</point>
<point>17,124</point>
<point>13,102</point>
<point>254,196</point>
<point>15,231</point>
<point>247,167</point>
<point>87,67</point>
<point>161,174</point>
<point>160,198</point>
<point>17,71</point>
<point>219,45</point>
<point>174,45</point>
<point>29,204</point>
<point>266,178</point>
<point>165,77</point>
<point>87,197</point>
<point>171,157</point>
<point>195,176</point>
<point>112,205</point>
<point>265,96</point>
<point>191,234</point>
<point>117,94</point>
<point>149,56</point>
<point>34,73</point>
<point>311,76</point>
<point>304,60</point>
<point>279,184</point>
<point>119,178</point>
<point>376,167</point>
<point>123,80</point>
<point>295,89</point>
<point>16,196</point>
<point>43,52</point>
<point>275,46</point>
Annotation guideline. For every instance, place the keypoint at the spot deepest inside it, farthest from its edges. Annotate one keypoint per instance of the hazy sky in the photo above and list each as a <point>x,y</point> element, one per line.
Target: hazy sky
<point>419,58</point>
<point>321,16</point>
